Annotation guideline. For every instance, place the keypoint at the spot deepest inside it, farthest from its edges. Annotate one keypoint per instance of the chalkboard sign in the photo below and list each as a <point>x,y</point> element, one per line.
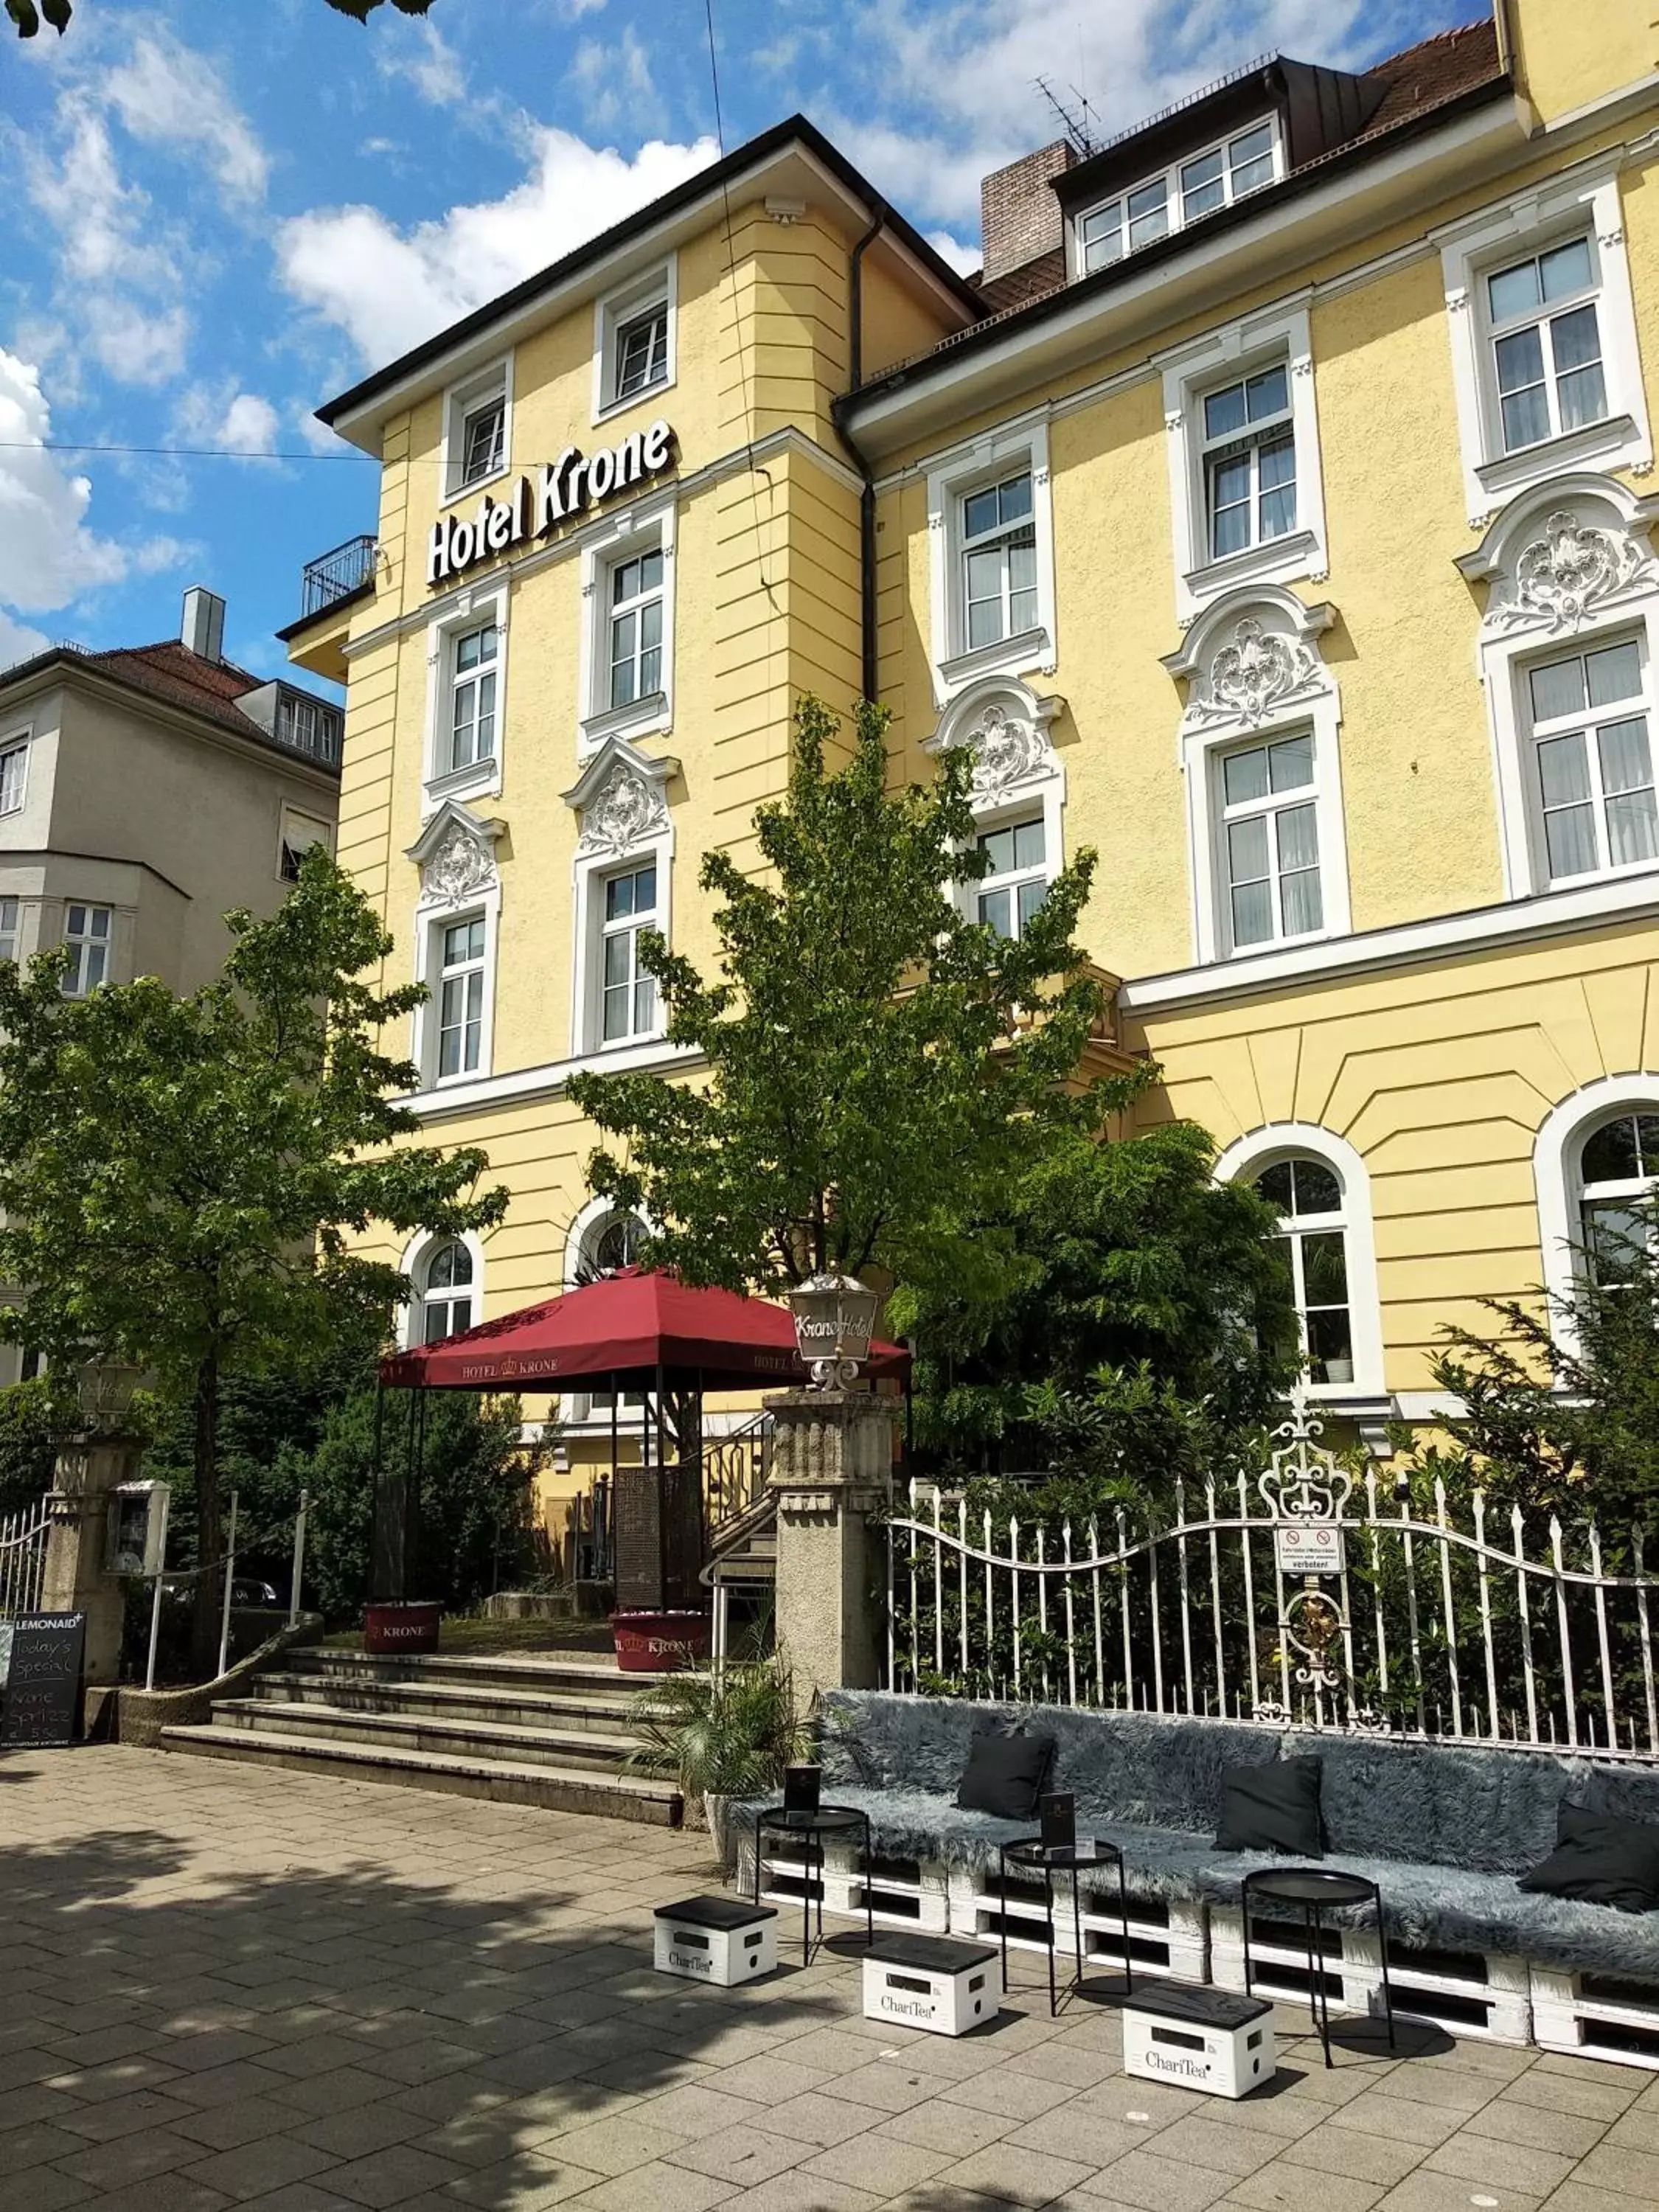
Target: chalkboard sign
<point>43,1685</point>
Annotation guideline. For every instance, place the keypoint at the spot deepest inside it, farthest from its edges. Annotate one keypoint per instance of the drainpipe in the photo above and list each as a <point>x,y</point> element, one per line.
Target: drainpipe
<point>868,673</point>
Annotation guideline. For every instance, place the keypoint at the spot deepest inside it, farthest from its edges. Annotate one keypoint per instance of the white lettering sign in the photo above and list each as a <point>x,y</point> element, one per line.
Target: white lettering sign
<point>566,488</point>
<point>1309,1548</point>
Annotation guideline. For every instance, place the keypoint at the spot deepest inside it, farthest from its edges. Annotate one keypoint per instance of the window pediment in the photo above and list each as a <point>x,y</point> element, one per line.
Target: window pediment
<point>1251,658</point>
<point>1004,724</point>
<point>621,800</point>
<point>456,855</point>
<point>1567,552</point>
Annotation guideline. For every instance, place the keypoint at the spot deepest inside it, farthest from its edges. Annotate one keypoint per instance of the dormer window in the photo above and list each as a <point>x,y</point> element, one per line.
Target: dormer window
<point>1214,179</point>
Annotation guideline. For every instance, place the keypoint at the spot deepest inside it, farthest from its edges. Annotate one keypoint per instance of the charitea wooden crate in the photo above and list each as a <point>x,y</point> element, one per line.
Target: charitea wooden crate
<point>1198,2038</point>
<point>931,1982</point>
<point>724,1941</point>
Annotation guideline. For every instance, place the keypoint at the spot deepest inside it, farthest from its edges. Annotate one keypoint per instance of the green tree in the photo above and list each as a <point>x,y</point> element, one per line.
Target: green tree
<point>180,1178</point>
<point>877,1064</point>
<point>29,15</point>
<point>1141,1326</point>
<point>1560,1403</point>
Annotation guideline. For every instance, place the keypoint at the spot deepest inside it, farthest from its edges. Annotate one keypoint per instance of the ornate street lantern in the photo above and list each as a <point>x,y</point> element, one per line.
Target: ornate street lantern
<point>835,1316</point>
<point>105,1389</point>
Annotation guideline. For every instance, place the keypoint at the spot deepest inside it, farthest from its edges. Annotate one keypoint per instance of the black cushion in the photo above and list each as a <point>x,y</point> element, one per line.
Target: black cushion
<point>1272,1809</point>
<point>1601,1860</point>
<point>1006,1774</point>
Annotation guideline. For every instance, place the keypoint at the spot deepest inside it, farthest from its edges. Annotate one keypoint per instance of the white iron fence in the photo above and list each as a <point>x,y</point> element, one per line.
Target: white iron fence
<point>1297,1597</point>
<point>23,1559</point>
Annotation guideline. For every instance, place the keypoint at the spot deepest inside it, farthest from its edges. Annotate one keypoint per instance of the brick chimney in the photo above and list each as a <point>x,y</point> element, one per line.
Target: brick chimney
<point>1019,216</point>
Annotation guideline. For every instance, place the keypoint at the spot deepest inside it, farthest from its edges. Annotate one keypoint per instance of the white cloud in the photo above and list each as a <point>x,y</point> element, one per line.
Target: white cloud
<point>615,85</point>
<point>168,94</point>
<point>137,344</point>
<point>18,641</point>
<point>964,259</point>
<point>48,555</point>
<point>388,288</point>
<point>249,424</point>
<point>416,52</point>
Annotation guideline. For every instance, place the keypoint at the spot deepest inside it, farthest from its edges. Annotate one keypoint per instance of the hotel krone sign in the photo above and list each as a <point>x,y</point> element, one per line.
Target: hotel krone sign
<point>536,506</point>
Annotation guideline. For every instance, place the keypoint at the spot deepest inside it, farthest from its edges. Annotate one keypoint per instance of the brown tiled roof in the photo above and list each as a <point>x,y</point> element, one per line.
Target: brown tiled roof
<point>1419,79</point>
<point>171,671</point>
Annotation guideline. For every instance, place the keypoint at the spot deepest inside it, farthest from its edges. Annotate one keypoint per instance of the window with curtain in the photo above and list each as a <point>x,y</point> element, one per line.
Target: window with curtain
<point>1313,1241</point>
<point>446,1291</point>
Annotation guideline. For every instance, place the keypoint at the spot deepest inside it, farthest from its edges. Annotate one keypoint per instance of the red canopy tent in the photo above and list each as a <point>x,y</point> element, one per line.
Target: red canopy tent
<point>635,1329</point>
<point>640,1331</point>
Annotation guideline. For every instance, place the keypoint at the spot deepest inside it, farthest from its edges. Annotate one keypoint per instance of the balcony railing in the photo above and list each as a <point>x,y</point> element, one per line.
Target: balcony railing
<point>338,575</point>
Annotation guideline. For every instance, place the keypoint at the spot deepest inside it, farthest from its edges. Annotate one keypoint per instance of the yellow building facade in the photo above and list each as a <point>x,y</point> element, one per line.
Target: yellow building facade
<point>1272,514</point>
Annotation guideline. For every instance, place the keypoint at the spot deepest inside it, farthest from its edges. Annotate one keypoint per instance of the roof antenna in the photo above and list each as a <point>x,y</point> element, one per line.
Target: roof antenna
<point>1074,113</point>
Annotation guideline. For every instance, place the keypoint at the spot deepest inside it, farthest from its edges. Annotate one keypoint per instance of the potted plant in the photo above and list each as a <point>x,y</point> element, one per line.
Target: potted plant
<point>726,1734</point>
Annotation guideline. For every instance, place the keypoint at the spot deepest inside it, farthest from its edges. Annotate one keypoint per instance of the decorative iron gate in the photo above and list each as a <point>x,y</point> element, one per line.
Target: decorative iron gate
<point>23,1559</point>
<point>1301,1598</point>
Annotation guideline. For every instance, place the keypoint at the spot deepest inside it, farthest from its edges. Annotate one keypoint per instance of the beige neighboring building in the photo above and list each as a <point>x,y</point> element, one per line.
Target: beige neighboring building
<point>145,792</point>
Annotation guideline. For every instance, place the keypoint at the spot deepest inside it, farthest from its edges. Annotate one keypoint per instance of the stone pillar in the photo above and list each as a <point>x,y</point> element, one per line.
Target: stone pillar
<point>89,1470</point>
<point>832,1469</point>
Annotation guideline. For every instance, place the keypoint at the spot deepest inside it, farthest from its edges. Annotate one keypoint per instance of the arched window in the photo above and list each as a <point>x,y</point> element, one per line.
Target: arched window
<point>1618,1180</point>
<point>617,1244</point>
<point>445,1283</point>
<point>1313,1237</point>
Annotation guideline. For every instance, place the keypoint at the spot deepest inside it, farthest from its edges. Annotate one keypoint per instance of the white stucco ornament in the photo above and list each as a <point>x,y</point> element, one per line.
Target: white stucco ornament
<point>1257,671</point>
<point>1569,573</point>
<point>1005,749</point>
<point>460,865</point>
<point>626,810</point>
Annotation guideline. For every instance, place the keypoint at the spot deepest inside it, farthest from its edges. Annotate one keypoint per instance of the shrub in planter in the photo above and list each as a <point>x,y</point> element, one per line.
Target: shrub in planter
<point>724,1735</point>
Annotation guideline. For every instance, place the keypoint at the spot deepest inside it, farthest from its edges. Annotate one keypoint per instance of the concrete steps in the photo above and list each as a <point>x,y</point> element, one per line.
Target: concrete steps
<point>554,1731</point>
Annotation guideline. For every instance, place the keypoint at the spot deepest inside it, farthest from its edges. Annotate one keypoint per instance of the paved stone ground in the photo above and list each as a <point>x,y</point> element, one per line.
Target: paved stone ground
<point>224,1985</point>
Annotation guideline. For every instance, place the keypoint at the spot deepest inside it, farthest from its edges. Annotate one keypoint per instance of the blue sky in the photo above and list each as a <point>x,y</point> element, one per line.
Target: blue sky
<point>220,212</point>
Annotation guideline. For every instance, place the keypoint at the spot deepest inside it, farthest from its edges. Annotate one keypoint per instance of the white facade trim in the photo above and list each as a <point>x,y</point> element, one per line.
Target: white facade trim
<point>1004,724</point>
<point>1259,341</point>
<point>1556,1180</point>
<point>980,459</point>
<point>614,308</point>
<point>621,801</point>
<point>1582,200</point>
<point>415,1253</point>
<point>652,1056</point>
<point>1568,563</point>
<point>455,854</point>
<point>464,609</point>
<point>1245,1158</point>
<point>457,400</point>
<point>20,737</point>
<point>644,526</point>
<point>1254,672</point>
<point>1407,944</point>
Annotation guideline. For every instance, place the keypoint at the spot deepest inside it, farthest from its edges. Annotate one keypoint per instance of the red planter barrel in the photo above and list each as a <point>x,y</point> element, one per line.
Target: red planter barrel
<point>403,1627</point>
<point>654,1643</point>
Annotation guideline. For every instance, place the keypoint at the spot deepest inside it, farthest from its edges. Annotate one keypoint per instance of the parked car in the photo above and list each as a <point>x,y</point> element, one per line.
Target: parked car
<point>245,1590</point>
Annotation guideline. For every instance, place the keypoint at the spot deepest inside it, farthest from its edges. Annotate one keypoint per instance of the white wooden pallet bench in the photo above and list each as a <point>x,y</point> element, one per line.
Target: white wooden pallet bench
<point>1445,1829</point>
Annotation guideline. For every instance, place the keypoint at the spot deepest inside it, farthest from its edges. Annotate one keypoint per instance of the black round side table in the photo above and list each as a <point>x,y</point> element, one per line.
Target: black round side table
<point>1027,1852</point>
<point>812,1828</point>
<point>1314,1891</point>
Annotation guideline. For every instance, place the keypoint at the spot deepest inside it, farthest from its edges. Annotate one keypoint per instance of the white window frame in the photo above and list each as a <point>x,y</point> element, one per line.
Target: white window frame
<point>295,818</point>
<point>1217,720</point>
<point>1558,1181</point>
<point>1014,879</point>
<point>412,1263</point>
<point>469,611</point>
<point>16,743</point>
<point>612,312</point>
<point>1246,1158</point>
<point>599,856</point>
<point>465,399</point>
<point>1279,335</point>
<point>629,926</point>
<point>87,937</point>
<point>1580,202</point>
<point>970,468</point>
<point>15,933</point>
<point>1527,624</point>
<point>1016,772</point>
<point>648,525</point>
<point>1270,805</point>
<point>1174,198</point>
<point>1642,704</point>
<point>464,971</point>
<point>447,895</point>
